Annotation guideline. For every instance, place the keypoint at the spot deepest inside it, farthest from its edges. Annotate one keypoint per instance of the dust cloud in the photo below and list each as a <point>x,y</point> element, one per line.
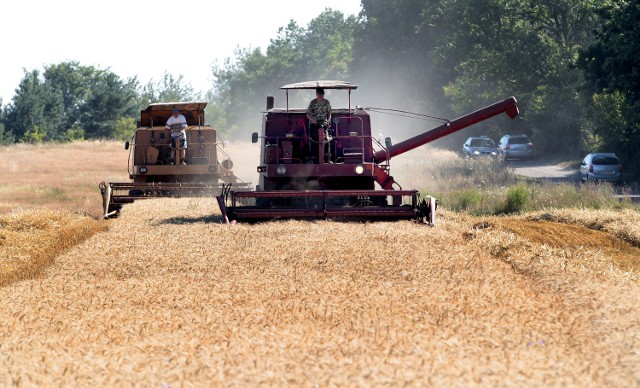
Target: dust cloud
<point>245,156</point>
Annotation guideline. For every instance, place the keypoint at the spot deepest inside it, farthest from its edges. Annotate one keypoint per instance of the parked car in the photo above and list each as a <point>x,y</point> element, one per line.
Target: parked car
<point>601,166</point>
<point>516,147</point>
<point>480,146</point>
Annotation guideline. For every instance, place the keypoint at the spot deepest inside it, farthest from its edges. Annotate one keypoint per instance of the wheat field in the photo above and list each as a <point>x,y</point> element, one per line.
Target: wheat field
<point>59,176</point>
<point>170,296</point>
<point>166,295</point>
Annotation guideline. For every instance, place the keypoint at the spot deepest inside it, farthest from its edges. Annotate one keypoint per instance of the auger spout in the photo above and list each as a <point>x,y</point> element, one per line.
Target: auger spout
<point>508,106</point>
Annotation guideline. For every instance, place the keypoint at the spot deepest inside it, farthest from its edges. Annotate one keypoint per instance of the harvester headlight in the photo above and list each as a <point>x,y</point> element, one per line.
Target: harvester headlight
<point>281,170</point>
<point>143,170</point>
<point>476,153</point>
<point>227,163</point>
<point>262,168</point>
<point>213,168</point>
<point>359,170</point>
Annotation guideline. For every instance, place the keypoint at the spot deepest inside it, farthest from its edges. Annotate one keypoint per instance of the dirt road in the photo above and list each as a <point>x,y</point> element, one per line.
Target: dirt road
<point>566,173</point>
<point>544,169</point>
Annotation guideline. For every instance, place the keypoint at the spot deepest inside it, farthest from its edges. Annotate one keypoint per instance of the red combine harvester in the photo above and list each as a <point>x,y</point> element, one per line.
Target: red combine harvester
<point>337,179</point>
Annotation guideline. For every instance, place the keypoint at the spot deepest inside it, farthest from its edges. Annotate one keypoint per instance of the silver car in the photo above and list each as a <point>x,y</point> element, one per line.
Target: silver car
<point>601,166</point>
<point>480,146</point>
<point>516,147</point>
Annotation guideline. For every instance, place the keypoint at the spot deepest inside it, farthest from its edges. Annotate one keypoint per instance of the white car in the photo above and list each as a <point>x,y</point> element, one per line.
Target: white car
<point>516,147</point>
<point>601,166</point>
<point>480,146</point>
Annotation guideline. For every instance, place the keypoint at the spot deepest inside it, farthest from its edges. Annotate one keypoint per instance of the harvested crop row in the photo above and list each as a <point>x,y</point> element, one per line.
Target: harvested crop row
<point>31,238</point>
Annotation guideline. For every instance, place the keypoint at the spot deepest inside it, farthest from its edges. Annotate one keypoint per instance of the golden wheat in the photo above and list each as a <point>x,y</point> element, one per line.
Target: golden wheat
<point>171,296</point>
<point>31,238</point>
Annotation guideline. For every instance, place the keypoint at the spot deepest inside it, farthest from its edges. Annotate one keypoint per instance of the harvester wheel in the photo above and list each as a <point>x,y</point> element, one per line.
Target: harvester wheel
<point>426,211</point>
<point>113,211</point>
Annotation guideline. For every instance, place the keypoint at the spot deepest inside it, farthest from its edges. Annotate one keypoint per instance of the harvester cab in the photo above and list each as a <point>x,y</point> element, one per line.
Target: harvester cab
<point>340,173</point>
<point>157,168</point>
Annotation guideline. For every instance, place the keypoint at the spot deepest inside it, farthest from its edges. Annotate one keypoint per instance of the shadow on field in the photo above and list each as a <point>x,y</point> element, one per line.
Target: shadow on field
<point>559,164</point>
<point>217,219</point>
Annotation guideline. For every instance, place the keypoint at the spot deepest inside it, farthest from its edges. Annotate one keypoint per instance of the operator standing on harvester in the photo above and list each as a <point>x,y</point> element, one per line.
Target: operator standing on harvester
<point>319,115</point>
<point>155,168</point>
<point>177,124</point>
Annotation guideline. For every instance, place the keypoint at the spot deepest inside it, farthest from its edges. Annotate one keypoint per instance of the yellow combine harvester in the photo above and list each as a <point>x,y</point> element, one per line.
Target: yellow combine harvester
<point>158,168</point>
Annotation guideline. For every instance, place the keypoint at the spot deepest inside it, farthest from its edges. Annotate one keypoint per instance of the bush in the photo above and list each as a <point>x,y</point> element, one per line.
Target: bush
<point>517,198</point>
<point>35,135</point>
<point>73,134</point>
<point>465,200</point>
<point>125,128</point>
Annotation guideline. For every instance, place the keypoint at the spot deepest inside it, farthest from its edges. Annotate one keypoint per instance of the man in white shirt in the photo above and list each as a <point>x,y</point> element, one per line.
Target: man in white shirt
<point>177,124</point>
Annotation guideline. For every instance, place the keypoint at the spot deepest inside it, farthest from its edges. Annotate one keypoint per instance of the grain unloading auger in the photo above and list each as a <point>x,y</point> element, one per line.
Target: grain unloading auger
<point>155,172</point>
<point>338,179</point>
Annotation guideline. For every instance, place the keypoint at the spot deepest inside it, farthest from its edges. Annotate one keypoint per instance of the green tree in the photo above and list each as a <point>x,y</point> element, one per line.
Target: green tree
<point>167,89</point>
<point>66,98</point>
<point>611,67</point>
<point>614,126</point>
<point>527,49</point>
<point>6,137</point>
<point>125,128</point>
<point>238,90</point>
<point>320,51</point>
<point>70,82</point>
<point>109,99</point>
<point>612,62</point>
<point>452,56</point>
<point>393,55</point>
<point>34,105</point>
<point>326,46</point>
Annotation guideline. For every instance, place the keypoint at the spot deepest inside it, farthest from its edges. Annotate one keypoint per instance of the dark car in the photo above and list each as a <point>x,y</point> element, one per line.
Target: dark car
<point>480,146</point>
<point>601,166</point>
<point>516,147</point>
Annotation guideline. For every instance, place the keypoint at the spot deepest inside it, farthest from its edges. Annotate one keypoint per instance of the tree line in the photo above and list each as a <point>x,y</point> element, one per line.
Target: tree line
<point>572,65</point>
<point>69,101</point>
